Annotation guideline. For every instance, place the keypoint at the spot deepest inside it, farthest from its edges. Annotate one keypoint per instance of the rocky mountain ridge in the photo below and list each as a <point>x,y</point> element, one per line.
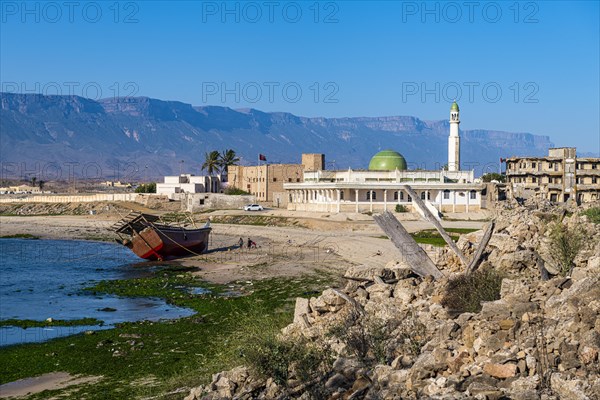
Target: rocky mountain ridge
<point>140,132</point>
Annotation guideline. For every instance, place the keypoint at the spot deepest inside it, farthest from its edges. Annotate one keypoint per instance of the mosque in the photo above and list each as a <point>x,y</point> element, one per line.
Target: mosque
<point>383,185</point>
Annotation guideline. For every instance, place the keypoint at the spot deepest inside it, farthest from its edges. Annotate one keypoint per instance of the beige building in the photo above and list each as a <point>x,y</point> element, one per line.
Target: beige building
<point>559,177</point>
<point>266,181</point>
<point>20,189</point>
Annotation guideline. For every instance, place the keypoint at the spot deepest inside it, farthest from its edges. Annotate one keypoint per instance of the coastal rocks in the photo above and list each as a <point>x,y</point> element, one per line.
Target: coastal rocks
<point>392,339</point>
<point>501,371</point>
<point>327,302</point>
<point>568,388</point>
<point>224,385</point>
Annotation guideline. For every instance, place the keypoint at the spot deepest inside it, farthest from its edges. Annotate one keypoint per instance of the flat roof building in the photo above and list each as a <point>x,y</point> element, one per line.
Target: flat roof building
<point>559,177</point>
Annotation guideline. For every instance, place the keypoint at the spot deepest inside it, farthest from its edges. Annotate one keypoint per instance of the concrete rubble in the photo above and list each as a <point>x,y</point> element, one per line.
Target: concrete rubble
<point>539,340</point>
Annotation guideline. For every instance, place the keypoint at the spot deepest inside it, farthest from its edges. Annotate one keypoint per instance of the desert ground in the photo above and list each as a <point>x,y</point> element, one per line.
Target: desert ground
<point>289,243</point>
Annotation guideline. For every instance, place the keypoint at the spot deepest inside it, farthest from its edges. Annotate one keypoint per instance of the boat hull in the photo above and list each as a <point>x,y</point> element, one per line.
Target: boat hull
<point>162,243</point>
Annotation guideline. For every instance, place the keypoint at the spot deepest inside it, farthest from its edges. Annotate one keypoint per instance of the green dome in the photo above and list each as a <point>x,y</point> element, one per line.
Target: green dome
<point>387,160</point>
<point>454,107</point>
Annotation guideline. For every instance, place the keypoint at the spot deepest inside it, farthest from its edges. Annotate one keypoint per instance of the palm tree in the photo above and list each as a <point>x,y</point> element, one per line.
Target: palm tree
<point>228,158</point>
<point>212,162</point>
<point>33,180</point>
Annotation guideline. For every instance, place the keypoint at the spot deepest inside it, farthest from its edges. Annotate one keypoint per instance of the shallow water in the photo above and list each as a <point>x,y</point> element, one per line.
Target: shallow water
<point>42,279</point>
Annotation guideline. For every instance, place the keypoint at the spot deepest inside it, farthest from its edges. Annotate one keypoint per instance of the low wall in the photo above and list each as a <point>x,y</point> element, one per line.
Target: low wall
<point>374,207</point>
<point>76,198</point>
<point>201,201</point>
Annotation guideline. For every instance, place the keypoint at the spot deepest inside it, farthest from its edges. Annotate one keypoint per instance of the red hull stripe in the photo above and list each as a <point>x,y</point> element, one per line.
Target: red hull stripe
<point>152,252</point>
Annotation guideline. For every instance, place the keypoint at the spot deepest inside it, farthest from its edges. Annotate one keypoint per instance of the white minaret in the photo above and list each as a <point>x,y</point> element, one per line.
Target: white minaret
<point>454,140</point>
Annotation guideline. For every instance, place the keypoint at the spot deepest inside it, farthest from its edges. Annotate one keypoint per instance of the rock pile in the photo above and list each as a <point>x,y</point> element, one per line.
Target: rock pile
<point>539,340</point>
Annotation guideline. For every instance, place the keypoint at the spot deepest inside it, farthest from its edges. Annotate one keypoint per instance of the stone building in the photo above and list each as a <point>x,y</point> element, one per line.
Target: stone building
<point>266,181</point>
<point>559,177</point>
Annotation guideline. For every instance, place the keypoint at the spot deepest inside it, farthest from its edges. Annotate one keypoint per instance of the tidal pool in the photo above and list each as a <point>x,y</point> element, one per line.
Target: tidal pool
<point>42,279</point>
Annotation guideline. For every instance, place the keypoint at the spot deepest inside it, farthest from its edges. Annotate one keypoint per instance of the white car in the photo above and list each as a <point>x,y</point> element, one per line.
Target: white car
<point>253,207</point>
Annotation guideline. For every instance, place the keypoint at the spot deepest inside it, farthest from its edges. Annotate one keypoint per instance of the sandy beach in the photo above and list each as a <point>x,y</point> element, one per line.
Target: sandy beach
<point>312,241</point>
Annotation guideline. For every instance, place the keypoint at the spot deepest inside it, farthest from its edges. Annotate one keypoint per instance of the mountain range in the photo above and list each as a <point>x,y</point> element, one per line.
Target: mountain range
<point>133,138</point>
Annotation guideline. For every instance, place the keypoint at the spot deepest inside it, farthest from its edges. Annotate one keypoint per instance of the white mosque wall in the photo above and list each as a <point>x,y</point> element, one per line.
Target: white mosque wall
<point>389,176</point>
<point>316,197</point>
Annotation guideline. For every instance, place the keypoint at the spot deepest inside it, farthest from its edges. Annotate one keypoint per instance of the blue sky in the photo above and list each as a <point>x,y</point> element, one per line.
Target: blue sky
<point>514,66</point>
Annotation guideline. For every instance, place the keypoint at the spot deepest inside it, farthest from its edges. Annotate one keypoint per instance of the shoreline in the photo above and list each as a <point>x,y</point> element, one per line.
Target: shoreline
<point>310,242</point>
<point>303,258</point>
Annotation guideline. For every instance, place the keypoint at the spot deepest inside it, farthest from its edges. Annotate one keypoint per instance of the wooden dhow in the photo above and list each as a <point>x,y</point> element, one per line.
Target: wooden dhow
<point>152,239</point>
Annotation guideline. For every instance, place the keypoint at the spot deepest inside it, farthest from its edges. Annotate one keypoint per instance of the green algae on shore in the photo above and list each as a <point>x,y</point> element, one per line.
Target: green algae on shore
<point>29,323</point>
<point>20,236</point>
<point>167,355</point>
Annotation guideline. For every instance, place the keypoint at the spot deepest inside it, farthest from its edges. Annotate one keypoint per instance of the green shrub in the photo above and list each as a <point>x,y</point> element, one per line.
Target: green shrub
<point>493,176</point>
<point>283,359</point>
<point>401,208</point>
<point>412,334</point>
<point>466,292</point>
<point>146,188</point>
<point>375,340</point>
<point>593,214</point>
<point>565,243</point>
<point>235,191</point>
<point>369,339</point>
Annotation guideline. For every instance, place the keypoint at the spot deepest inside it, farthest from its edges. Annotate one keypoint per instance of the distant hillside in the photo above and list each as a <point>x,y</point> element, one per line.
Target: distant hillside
<point>120,135</point>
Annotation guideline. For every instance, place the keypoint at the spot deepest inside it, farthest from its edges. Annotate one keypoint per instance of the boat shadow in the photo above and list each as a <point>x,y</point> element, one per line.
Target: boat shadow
<point>224,248</point>
<point>171,262</point>
<point>166,266</point>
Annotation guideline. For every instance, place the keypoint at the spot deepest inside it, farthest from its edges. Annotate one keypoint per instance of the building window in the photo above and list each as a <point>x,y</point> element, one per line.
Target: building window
<point>534,180</point>
<point>297,179</point>
<point>409,198</point>
<point>402,196</point>
<point>594,179</point>
<point>533,165</point>
<point>553,197</point>
<point>274,179</point>
<point>473,195</point>
<point>446,194</point>
<point>371,195</point>
<point>341,195</point>
<point>395,195</point>
<point>556,166</point>
<point>594,166</point>
<point>289,179</point>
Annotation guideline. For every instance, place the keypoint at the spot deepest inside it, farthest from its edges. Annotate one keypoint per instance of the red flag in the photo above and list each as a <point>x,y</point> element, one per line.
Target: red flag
<point>262,157</point>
